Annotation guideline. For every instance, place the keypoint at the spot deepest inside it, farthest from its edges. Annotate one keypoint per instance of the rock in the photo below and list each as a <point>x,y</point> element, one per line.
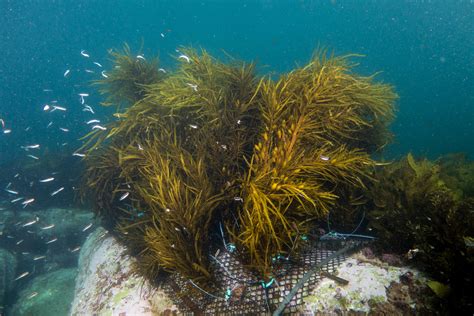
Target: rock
<point>107,285</point>
<point>48,294</point>
<point>374,287</point>
<point>7,272</point>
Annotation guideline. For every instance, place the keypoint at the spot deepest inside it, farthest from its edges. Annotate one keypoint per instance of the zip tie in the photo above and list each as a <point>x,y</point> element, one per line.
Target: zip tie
<point>267,285</point>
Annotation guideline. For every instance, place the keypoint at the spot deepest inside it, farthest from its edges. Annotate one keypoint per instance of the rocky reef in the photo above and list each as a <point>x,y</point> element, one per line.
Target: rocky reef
<point>213,156</point>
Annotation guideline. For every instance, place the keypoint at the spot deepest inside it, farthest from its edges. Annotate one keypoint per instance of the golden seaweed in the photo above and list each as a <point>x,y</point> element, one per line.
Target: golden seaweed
<point>212,143</point>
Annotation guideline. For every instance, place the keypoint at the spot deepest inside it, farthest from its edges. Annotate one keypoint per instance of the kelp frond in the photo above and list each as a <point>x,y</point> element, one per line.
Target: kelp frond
<point>211,133</point>
<point>125,82</point>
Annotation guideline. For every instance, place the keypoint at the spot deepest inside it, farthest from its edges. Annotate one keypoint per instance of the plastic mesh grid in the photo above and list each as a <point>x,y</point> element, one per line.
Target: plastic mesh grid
<point>245,293</point>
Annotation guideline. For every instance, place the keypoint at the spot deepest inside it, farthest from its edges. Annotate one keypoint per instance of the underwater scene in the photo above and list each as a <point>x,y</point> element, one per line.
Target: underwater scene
<point>236,157</point>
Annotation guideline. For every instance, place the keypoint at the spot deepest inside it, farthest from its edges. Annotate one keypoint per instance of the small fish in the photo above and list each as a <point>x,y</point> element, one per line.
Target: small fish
<point>30,222</point>
<point>35,146</point>
<point>104,74</point>
<point>193,86</point>
<point>3,123</point>
<point>184,57</point>
<point>87,227</point>
<point>82,95</point>
<point>46,180</point>
<point>11,191</point>
<point>57,191</point>
<point>99,127</point>
<point>193,126</point>
<point>46,107</point>
<point>76,249</point>
<point>92,121</point>
<point>238,198</point>
<point>66,73</point>
<point>16,200</point>
<point>140,147</point>
<point>324,158</point>
<point>89,71</point>
<point>162,70</point>
<point>7,131</point>
<point>52,240</point>
<point>47,90</point>
<point>33,294</point>
<point>49,124</point>
<point>24,274</point>
<point>47,227</point>
<point>78,155</point>
<point>162,35</point>
<point>85,54</point>
<point>87,108</point>
<point>140,57</point>
<point>97,64</point>
<point>36,258</point>
<point>34,157</point>
<point>64,129</point>
<point>124,196</point>
<point>19,242</point>
<point>59,108</point>
<point>29,201</point>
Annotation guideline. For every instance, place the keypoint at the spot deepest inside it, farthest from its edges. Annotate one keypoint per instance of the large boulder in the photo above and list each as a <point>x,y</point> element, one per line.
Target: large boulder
<point>107,285</point>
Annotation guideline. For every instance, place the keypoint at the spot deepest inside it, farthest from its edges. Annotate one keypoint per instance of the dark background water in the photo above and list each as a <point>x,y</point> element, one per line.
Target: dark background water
<point>424,48</point>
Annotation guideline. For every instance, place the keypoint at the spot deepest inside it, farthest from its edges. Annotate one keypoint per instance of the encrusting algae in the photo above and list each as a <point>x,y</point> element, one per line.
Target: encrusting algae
<point>212,145</point>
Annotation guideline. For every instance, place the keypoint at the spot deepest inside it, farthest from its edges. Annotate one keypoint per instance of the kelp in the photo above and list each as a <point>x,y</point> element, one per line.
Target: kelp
<point>309,148</point>
<point>415,211</point>
<point>458,173</point>
<point>125,83</point>
<point>212,145</point>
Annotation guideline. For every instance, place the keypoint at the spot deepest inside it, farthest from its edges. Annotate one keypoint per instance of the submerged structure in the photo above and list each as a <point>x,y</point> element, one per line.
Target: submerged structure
<point>212,157</point>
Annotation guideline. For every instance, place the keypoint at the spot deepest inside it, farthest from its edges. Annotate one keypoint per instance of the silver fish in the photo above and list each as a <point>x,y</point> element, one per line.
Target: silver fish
<point>24,274</point>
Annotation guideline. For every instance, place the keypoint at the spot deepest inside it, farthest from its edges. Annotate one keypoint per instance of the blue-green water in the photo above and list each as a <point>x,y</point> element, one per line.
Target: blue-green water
<point>424,48</point>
